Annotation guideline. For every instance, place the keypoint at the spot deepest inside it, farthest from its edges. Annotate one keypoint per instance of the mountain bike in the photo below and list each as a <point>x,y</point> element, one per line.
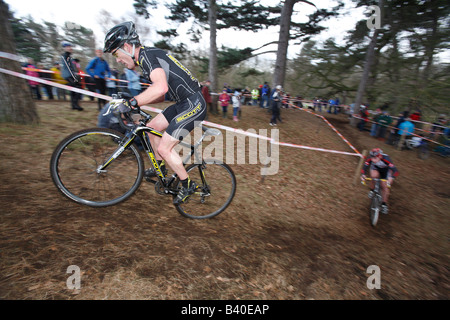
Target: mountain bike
<point>100,167</point>
<point>376,201</point>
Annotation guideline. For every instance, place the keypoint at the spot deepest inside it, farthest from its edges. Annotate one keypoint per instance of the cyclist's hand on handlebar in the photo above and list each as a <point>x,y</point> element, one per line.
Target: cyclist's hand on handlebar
<point>363,177</point>
<point>131,103</point>
<point>390,181</point>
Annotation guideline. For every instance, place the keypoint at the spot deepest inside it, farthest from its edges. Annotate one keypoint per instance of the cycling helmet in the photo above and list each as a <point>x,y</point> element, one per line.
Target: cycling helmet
<point>375,152</point>
<point>66,44</point>
<point>118,35</point>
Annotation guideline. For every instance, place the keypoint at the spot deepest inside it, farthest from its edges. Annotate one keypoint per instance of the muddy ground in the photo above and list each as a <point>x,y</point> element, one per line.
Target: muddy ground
<point>303,233</point>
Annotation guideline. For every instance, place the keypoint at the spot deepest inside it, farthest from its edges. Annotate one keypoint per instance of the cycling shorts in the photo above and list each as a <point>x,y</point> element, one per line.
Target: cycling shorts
<point>185,115</point>
<point>385,173</point>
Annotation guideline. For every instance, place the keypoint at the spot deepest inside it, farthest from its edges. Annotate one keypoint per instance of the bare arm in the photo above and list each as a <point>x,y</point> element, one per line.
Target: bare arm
<point>156,91</point>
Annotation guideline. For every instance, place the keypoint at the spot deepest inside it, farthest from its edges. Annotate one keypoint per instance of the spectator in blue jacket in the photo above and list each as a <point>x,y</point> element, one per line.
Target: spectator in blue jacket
<point>406,128</point>
<point>265,92</point>
<point>98,69</point>
<point>134,83</point>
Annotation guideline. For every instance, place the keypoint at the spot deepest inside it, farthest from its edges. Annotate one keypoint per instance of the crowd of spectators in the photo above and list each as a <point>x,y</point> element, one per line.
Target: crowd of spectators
<point>98,77</point>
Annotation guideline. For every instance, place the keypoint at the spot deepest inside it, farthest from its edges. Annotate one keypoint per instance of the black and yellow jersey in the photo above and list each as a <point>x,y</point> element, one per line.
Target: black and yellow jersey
<point>182,84</point>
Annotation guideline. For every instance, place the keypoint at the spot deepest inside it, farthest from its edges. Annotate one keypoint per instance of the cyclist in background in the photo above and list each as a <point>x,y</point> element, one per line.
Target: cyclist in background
<point>166,75</point>
<point>380,166</point>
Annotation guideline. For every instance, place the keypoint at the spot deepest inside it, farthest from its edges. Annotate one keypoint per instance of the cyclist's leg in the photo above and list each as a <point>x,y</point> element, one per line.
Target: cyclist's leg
<point>189,113</point>
<point>385,190</point>
<point>171,157</point>
<point>383,174</point>
<point>158,123</point>
<point>374,174</point>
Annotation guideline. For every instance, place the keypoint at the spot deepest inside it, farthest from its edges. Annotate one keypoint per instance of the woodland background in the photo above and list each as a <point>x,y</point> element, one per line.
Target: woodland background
<point>402,67</point>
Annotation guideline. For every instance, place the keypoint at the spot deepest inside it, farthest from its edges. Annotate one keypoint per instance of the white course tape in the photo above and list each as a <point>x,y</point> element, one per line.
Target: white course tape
<point>59,85</point>
<point>239,131</point>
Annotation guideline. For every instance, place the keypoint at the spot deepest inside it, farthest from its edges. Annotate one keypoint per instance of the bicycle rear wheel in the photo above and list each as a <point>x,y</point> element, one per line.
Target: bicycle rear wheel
<point>75,162</point>
<point>216,187</point>
<point>375,207</point>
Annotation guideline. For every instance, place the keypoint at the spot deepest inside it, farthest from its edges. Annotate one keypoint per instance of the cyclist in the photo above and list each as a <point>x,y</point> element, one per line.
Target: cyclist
<point>380,166</point>
<point>166,74</point>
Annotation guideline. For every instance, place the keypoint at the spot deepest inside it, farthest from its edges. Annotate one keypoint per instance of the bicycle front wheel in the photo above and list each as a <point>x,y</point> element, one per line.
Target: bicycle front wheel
<point>216,187</point>
<point>75,164</point>
<point>375,208</point>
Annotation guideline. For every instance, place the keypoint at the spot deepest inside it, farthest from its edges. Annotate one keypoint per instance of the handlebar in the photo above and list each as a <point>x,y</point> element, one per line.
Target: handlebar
<point>367,179</point>
<point>124,113</point>
<point>375,179</point>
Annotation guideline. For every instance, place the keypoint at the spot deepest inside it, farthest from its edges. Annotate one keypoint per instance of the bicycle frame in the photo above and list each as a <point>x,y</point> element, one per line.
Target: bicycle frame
<point>141,131</point>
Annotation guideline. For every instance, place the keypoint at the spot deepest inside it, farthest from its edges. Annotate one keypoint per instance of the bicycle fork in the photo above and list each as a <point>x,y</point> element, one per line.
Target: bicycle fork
<point>102,168</point>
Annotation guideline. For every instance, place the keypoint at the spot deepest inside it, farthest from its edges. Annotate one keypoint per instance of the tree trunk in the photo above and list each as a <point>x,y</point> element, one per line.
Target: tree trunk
<point>16,103</point>
<point>283,42</point>
<point>430,47</point>
<point>370,56</point>
<point>212,17</point>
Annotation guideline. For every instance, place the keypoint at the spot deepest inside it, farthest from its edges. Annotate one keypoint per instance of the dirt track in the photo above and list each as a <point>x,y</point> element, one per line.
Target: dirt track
<point>301,234</point>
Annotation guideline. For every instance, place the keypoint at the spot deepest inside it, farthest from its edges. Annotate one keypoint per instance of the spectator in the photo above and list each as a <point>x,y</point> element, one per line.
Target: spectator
<point>43,74</point>
<point>70,73</point>
<point>323,104</point>
<point>316,103</point>
<point>384,121</point>
<point>207,95</point>
<point>82,74</point>
<point>134,84</point>
<point>265,92</point>
<point>393,136</point>
<point>286,100</point>
<point>111,83</point>
<point>330,105</point>
<point>224,99</point>
<point>34,86</point>
<point>416,116</point>
<point>364,117</point>
<point>276,101</point>
<point>56,77</point>
<point>444,140</point>
<point>337,106</point>
<point>255,96</point>
<point>375,125</point>
<point>406,128</point>
<point>298,101</point>
<point>439,125</point>
<point>236,99</point>
<point>98,69</point>
<point>90,85</point>
<point>245,96</point>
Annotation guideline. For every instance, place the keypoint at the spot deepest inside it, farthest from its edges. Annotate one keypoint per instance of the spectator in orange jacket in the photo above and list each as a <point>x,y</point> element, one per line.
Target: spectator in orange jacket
<point>34,86</point>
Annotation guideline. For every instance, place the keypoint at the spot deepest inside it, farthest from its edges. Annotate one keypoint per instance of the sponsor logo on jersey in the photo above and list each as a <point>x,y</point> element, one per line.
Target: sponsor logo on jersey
<point>182,67</point>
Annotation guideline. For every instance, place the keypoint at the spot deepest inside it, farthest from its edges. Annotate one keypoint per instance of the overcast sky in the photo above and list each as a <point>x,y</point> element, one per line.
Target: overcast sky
<point>87,13</point>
